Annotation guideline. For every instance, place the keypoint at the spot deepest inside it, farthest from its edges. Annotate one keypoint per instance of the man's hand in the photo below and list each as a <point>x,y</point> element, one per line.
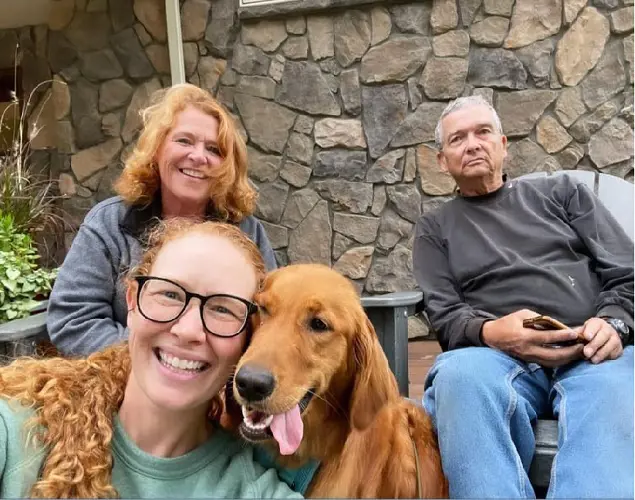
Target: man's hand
<point>508,335</point>
<point>604,342</point>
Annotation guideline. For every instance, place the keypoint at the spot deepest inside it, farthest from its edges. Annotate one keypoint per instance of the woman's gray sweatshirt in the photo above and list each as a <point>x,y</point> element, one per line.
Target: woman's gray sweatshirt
<point>87,308</point>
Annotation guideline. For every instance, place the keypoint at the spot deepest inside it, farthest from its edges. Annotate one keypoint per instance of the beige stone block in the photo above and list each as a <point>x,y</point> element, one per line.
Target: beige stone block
<point>551,135</point>
<point>490,32</point>
<point>444,16</point>
<point>579,50</point>
<point>151,13</point>
<point>355,263</point>
<point>622,20</point>
<point>380,25</point>
<point>60,14</point>
<point>451,44</point>
<point>266,34</point>
<point>320,33</point>
<point>61,98</point>
<point>435,180</point>
<point>334,132</point>
<point>89,161</point>
<point>533,20</point>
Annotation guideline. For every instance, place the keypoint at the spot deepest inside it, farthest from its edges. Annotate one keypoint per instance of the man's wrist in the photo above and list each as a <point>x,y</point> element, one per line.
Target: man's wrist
<point>624,332</point>
<point>484,334</point>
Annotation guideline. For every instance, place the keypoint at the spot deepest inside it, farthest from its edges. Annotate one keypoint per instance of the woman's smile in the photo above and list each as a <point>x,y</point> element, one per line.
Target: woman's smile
<point>192,173</point>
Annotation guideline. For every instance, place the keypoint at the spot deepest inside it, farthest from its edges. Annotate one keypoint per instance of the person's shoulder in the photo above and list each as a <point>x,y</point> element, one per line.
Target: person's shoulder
<point>23,455</point>
<point>251,225</point>
<point>109,210</point>
<point>557,186</point>
<point>13,415</point>
<point>547,183</point>
<point>432,219</point>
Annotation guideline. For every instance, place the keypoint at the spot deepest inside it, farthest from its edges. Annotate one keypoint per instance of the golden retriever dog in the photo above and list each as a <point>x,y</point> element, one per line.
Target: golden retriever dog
<point>315,384</point>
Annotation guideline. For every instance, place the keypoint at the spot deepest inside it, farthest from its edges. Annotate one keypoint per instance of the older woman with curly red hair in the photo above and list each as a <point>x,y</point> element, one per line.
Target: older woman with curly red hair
<point>189,161</point>
<point>142,419</point>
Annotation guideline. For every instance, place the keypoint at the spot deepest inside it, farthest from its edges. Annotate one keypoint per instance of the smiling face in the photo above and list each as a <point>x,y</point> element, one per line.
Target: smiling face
<point>187,159</point>
<point>178,366</point>
<point>473,150</point>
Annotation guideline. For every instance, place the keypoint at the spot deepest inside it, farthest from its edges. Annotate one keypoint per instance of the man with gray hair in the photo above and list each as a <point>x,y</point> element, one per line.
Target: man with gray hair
<point>502,252</point>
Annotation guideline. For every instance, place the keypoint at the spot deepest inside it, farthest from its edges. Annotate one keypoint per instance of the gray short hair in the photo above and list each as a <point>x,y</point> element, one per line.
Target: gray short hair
<point>463,102</point>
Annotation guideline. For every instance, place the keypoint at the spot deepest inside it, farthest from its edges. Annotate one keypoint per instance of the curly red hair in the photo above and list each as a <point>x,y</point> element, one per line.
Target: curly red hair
<point>231,195</point>
<point>75,400</point>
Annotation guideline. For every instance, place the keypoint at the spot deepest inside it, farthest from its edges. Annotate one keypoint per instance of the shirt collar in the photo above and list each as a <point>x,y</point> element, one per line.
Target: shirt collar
<point>139,218</point>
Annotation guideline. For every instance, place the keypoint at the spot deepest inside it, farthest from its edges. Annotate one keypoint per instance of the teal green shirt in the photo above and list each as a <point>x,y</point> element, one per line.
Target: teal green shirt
<point>223,467</point>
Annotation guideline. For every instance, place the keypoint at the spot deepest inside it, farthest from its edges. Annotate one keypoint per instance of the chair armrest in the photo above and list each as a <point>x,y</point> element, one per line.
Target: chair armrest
<point>20,329</point>
<point>42,305</point>
<point>389,315</point>
<point>394,299</point>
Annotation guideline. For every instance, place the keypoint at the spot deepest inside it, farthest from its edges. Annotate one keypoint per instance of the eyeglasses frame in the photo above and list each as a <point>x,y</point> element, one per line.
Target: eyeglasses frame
<point>142,280</point>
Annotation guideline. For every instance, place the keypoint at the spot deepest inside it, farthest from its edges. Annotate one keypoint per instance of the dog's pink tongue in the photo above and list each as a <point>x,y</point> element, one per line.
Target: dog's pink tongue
<point>287,428</point>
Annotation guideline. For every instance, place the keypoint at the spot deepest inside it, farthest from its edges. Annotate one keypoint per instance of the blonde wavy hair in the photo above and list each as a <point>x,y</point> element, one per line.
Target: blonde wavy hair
<point>75,400</point>
<point>231,195</point>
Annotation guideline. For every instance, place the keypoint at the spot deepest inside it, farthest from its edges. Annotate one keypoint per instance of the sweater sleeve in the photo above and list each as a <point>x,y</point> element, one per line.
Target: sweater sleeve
<point>610,248</point>
<point>455,322</point>
<point>262,240</point>
<point>80,317</point>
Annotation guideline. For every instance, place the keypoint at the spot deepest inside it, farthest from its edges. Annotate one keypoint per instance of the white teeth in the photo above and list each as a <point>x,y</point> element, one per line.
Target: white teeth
<point>256,426</point>
<point>193,173</point>
<point>182,364</point>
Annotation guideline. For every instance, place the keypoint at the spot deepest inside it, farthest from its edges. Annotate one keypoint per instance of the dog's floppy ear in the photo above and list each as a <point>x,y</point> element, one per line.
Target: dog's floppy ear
<point>374,384</point>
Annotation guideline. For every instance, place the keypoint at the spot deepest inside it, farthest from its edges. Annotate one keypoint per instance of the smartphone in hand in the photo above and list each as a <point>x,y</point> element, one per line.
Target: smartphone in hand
<point>543,322</point>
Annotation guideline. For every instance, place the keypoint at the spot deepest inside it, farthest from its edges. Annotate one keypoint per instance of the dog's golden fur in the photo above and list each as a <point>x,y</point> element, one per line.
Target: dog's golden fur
<point>357,424</point>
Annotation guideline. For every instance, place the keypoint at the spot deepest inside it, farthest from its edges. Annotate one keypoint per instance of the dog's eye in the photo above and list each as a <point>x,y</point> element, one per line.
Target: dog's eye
<point>317,325</point>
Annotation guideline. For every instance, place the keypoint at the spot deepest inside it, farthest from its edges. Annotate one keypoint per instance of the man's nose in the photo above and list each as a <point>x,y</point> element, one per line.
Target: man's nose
<point>472,142</point>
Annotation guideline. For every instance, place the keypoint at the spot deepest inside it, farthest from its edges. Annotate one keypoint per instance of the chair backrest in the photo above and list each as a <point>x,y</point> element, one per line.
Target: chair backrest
<point>616,194</point>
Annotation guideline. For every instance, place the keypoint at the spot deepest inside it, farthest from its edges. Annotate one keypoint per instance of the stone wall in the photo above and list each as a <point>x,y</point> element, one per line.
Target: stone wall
<point>339,105</point>
<point>340,109</point>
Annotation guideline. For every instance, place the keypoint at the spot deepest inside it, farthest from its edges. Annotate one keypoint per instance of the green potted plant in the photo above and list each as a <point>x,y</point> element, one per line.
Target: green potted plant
<point>27,211</point>
<point>24,286</point>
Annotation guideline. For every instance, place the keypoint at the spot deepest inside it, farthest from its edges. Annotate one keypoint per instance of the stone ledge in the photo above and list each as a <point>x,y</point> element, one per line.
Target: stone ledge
<point>296,7</point>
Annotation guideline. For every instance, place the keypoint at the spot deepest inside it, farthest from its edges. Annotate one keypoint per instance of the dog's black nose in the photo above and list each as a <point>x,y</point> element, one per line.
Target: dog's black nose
<point>254,383</point>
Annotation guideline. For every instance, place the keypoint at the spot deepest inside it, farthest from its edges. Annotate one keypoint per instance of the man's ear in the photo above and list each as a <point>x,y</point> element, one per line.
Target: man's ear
<point>441,161</point>
<point>504,142</point>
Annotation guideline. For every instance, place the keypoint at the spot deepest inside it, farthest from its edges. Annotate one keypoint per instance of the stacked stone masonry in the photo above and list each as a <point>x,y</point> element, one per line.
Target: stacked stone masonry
<point>338,106</point>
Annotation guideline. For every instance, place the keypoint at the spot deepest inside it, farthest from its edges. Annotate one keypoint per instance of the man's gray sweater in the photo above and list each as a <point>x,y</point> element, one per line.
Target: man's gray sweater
<point>87,308</point>
<point>544,244</point>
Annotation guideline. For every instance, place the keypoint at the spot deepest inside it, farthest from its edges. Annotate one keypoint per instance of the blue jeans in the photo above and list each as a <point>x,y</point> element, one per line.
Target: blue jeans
<point>483,404</point>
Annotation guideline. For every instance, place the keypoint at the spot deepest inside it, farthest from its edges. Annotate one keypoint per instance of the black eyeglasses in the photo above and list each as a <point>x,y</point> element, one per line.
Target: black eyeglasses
<point>163,301</point>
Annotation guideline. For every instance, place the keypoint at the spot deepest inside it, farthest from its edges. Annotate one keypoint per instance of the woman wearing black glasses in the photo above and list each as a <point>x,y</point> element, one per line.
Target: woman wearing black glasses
<point>141,419</point>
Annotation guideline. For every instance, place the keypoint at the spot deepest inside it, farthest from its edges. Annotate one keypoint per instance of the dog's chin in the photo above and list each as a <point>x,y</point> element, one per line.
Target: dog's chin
<point>254,427</point>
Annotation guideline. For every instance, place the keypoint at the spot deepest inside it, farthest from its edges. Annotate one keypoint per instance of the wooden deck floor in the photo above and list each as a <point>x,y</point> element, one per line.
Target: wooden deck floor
<point>421,355</point>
